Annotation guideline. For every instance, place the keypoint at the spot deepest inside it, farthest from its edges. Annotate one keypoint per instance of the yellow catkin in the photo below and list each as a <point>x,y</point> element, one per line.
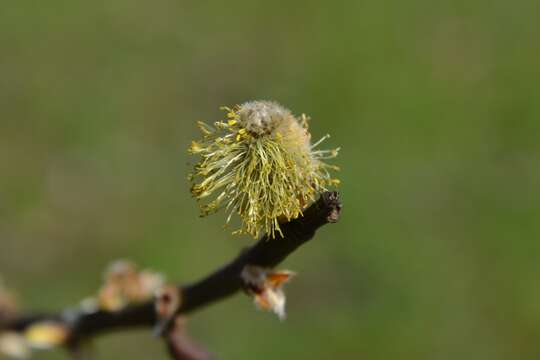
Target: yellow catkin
<point>259,164</point>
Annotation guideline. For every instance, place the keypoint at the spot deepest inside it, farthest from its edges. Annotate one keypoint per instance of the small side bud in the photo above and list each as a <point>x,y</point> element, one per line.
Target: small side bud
<point>167,302</point>
<point>46,335</point>
<point>266,288</point>
<point>14,345</point>
<point>8,303</point>
<point>124,284</point>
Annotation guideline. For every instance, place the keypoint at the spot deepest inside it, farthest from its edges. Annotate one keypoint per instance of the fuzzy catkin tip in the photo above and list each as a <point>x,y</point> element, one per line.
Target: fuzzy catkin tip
<point>262,117</point>
<point>259,164</point>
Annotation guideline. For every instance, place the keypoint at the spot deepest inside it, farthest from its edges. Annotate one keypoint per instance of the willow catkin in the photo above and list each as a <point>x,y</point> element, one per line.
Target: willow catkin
<point>259,163</point>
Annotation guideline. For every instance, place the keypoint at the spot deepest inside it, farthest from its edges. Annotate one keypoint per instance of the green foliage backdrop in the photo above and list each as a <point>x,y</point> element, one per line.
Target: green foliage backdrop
<point>435,105</point>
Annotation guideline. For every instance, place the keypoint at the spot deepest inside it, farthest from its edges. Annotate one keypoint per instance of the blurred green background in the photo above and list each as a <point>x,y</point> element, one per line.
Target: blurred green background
<point>436,106</point>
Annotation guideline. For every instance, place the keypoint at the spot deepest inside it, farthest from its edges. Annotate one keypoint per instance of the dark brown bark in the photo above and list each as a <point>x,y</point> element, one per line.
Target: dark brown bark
<point>222,283</point>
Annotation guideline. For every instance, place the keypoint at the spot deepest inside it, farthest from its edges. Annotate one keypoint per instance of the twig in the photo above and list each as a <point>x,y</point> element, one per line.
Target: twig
<point>181,347</point>
<point>222,283</point>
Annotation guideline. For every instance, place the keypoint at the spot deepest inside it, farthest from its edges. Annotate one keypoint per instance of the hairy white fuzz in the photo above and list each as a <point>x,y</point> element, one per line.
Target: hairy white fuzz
<point>263,117</point>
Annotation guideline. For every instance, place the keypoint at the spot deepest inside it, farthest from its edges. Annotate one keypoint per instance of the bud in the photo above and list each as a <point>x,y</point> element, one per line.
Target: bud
<point>266,287</point>
<point>8,304</point>
<point>46,334</point>
<point>14,345</point>
<point>124,284</point>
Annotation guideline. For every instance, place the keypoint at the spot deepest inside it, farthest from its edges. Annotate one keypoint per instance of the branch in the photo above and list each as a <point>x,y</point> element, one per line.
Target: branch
<point>224,282</point>
<point>181,347</point>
